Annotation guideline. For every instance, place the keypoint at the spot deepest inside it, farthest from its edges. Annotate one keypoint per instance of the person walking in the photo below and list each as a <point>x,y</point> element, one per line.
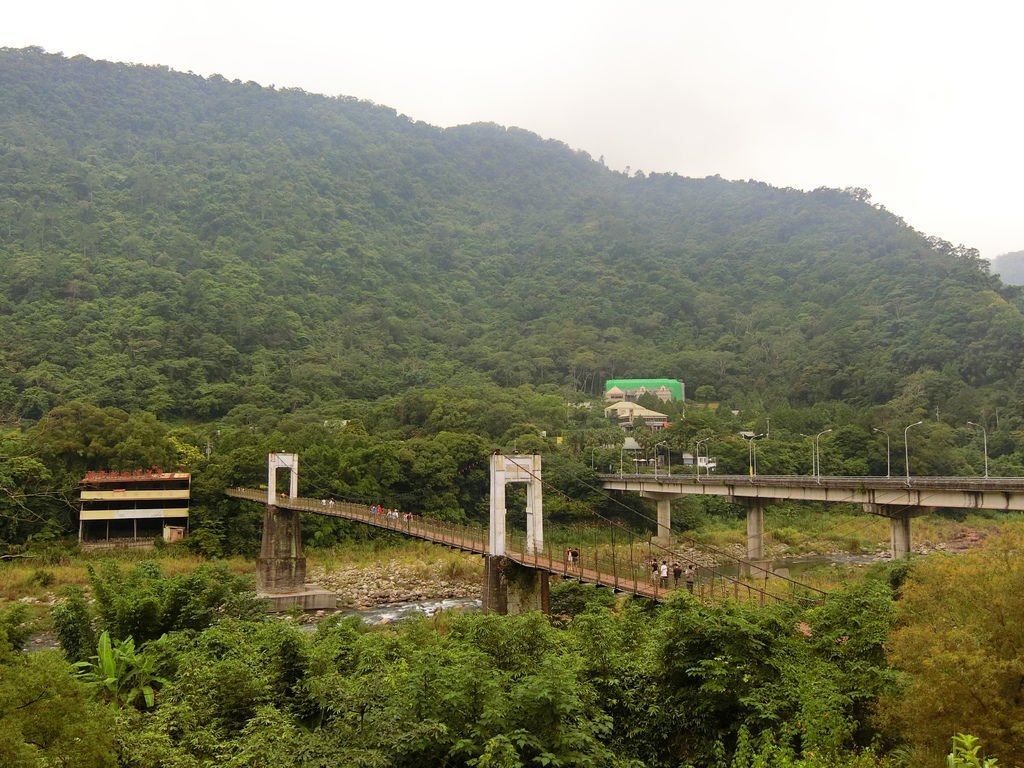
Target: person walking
<point>689,578</point>
<point>677,571</point>
<point>663,572</point>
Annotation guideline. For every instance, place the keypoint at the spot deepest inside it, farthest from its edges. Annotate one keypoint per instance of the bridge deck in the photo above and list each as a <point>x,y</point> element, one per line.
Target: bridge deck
<point>996,493</point>
<point>611,571</point>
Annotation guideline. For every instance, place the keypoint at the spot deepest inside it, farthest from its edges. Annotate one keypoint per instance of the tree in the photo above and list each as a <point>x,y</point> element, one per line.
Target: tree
<point>961,627</point>
<point>49,718</point>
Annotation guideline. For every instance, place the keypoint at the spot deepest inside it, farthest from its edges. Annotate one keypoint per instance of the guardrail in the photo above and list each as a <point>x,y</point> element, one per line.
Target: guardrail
<point>834,481</point>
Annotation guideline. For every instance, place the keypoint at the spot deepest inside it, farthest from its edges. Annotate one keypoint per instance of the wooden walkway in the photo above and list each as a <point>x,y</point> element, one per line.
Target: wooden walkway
<point>610,566</point>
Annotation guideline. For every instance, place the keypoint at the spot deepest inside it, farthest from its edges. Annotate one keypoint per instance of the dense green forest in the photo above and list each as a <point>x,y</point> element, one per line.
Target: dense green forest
<point>187,246</point>
<point>186,671</point>
<point>197,271</point>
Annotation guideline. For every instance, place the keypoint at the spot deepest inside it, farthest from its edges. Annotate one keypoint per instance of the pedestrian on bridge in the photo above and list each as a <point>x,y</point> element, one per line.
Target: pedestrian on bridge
<point>572,557</point>
<point>689,578</point>
<point>677,571</point>
<point>663,572</point>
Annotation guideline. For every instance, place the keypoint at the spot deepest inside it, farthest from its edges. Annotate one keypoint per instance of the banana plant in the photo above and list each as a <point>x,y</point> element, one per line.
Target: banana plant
<point>965,753</point>
<point>125,675</point>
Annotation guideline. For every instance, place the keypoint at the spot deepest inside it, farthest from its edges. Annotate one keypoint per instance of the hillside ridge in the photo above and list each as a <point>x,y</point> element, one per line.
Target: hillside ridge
<point>190,245</point>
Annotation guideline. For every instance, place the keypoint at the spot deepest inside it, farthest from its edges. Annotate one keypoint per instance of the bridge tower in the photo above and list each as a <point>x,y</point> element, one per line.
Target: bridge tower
<point>281,565</point>
<point>508,586</point>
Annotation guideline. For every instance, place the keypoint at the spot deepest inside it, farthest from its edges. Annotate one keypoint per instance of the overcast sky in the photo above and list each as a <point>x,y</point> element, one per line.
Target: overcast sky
<point>919,102</point>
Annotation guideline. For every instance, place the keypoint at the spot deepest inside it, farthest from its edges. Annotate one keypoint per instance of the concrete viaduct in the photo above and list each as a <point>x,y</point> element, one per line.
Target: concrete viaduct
<point>893,497</point>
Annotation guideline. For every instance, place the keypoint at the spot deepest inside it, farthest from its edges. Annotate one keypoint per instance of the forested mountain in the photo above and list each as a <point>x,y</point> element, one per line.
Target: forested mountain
<point>187,245</point>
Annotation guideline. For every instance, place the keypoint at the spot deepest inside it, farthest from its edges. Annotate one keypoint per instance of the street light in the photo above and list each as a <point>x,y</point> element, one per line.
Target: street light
<point>752,453</point>
<point>984,437</point>
<point>621,450</point>
<point>656,458</point>
<point>697,457</point>
<point>817,454</point>
<point>888,460</point>
<point>906,448</point>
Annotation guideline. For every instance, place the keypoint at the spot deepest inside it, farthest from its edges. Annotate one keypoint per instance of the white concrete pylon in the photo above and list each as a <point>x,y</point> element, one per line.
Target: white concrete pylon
<point>275,461</point>
<point>516,469</point>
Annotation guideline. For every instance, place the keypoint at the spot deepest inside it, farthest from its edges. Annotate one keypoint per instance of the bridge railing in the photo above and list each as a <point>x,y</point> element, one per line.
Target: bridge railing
<point>624,566</point>
<point>467,536</point>
<point>842,481</point>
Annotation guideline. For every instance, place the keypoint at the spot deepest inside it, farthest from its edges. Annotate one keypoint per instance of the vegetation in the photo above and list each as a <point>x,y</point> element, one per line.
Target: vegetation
<point>959,633</point>
<point>199,272</point>
<point>198,248</point>
<point>721,686</point>
<point>616,688</point>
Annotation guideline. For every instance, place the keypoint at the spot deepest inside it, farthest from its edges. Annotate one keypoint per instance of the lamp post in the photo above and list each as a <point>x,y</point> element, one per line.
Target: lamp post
<point>906,448</point>
<point>621,451</point>
<point>752,454</point>
<point>984,437</point>
<point>656,458</point>
<point>817,454</point>
<point>697,457</point>
<point>888,455</point>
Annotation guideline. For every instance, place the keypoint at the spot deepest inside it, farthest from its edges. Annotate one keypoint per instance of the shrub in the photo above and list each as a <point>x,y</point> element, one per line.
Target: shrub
<point>73,624</point>
<point>571,598</point>
<point>144,604</point>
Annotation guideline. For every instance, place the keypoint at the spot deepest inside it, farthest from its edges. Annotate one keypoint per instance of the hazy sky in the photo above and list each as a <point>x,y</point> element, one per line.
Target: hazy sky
<point>919,102</point>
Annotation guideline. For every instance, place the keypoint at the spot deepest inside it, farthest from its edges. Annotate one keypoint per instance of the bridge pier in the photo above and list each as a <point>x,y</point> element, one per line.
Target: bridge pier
<point>755,529</point>
<point>901,543</point>
<point>755,564</point>
<point>664,537</point>
<point>511,588</point>
<point>281,566</point>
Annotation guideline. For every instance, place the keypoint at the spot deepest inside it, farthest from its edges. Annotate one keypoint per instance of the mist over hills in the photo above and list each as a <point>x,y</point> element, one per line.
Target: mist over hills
<point>1010,267</point>
<point>187,246</point>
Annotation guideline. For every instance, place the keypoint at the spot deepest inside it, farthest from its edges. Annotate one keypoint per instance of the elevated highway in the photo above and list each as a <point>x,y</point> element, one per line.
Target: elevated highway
<point>897,498</point>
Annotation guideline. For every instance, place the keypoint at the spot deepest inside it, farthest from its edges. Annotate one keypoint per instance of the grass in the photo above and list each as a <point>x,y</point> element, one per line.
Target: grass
<point>28,577</point>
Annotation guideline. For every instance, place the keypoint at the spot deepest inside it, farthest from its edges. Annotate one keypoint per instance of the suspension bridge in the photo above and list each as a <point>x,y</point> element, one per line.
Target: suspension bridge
<point>517,564</point>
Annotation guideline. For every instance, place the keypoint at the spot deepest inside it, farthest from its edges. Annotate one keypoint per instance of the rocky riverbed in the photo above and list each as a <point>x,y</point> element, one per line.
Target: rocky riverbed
<point>394,581</point>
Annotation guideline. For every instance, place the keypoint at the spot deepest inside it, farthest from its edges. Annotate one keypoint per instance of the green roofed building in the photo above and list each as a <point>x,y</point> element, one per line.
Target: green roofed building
<point>629,390</point>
